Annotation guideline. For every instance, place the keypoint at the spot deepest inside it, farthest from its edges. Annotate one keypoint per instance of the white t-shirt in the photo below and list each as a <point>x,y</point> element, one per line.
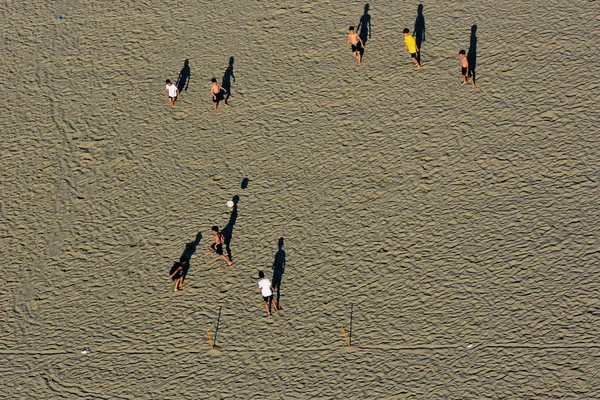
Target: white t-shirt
<point>172,90</point>
<point>265,285</point>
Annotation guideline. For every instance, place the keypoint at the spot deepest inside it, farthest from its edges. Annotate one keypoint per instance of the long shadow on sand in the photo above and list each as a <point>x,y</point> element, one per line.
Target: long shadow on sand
<point>364,28</point>
<point>183,80</point>
<point>227,77</point>
<point>472,54</point>
<point>187,254</point>
<point>419,31</point>
<point>278,270</point>
<point>228,230</point>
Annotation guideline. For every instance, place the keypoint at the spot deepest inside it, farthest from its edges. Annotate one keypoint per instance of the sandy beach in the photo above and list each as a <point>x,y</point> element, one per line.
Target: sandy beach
<point>461,225</point>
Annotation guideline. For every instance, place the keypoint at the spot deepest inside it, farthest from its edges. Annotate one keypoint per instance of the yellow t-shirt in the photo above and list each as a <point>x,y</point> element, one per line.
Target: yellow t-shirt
<point>410,43</point>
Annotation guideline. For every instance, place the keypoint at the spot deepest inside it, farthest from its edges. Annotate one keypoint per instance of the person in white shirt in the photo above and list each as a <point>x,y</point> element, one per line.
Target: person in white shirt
<point>172,93</point>
<point>267,292</point>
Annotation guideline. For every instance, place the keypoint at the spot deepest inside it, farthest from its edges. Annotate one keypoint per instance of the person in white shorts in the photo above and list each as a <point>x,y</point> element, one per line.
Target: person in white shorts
<point>172,93</point>
<point>267,292</point>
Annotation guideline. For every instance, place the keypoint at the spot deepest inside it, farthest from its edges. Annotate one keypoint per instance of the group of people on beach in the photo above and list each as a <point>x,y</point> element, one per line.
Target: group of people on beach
<point>217,91</point>
<point>356,44</point>
<point>179,269</point>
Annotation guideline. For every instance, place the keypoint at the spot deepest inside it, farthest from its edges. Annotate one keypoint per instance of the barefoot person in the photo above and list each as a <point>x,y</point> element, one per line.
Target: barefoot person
<point>410,45</point>
<point>267,292</point>
<point>464,68</point>
<point>172,93</point>
<point>217,92</point>
<point>355,42</point>
<point>176,275</point>
<point>217,246</point>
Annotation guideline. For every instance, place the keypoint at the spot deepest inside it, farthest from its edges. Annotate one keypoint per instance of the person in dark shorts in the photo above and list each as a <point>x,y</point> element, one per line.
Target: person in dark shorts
<point>172,93</point>
<point>356,43</point>
<point>218,93</point>
<point>217,246</point>
<point>410,45</point>
<point>264,285</point>
<point>464,68</point>
<point>176,275</point>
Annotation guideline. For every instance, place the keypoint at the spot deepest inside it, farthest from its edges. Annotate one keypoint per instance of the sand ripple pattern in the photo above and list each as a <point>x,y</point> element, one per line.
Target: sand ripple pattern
<point>446,216</point>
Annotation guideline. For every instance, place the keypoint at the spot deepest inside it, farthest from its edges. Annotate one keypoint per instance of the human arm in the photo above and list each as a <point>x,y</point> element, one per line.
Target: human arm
<point>348,44</point>
<point>176,271</point>
<point>178,96</point>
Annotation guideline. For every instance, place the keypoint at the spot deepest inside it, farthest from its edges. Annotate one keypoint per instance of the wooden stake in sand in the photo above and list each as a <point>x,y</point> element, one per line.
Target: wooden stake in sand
<point>217,329</point>
<point>345,336</point>
<point>209,339</point>
<point>351,313</point>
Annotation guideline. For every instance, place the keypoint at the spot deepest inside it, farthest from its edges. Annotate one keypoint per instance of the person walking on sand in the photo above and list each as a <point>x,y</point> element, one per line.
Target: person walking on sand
<point>410,45</point>
<point>217,92</point>
<point>176,275</point>
<point>266,289</point>
<point>355,42</point>
<point>464,68</point>
<point>217,246</point>
<point>172,93</point>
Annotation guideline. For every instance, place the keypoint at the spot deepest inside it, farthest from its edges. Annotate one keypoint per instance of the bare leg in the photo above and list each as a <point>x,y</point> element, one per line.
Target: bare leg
<point>175,288</point>
<point>416,63</point>
<point>215,103</point>
<point>224,257</point>
<point>274,304</point>
<point>267,307</point>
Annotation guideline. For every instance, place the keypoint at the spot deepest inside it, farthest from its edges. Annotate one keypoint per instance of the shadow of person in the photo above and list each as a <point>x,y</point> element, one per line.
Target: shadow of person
<point>183,80</point>
<point>227,77</point>
<point>364,28</point>
<point>419,31</point>
<point>472,53</point>
<point>187,254</point>
<point>244,184</point>
<point>278,270</point>
<point>228,230</point>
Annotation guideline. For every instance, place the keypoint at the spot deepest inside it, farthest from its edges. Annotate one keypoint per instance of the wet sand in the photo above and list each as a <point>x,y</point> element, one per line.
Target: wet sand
<point>446,216</point>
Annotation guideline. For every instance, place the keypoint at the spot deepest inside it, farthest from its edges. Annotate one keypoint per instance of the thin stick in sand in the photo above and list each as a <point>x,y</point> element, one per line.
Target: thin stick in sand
<point>345,336</point>
<point>212,346</point>
<point>351,314</point>
<point>217,329</point>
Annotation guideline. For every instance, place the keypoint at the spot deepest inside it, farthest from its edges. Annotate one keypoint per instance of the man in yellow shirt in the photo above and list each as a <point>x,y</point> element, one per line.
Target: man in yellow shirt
<point>410,45</point>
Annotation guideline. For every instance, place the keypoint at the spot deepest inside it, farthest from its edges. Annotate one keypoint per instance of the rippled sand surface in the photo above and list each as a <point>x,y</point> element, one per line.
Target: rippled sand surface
<point>444,216</point>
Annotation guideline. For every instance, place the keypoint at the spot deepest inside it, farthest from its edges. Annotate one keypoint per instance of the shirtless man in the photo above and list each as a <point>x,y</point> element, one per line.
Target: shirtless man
<point>217,246</point>
<point>356,42</point>
<point>217,92</point>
